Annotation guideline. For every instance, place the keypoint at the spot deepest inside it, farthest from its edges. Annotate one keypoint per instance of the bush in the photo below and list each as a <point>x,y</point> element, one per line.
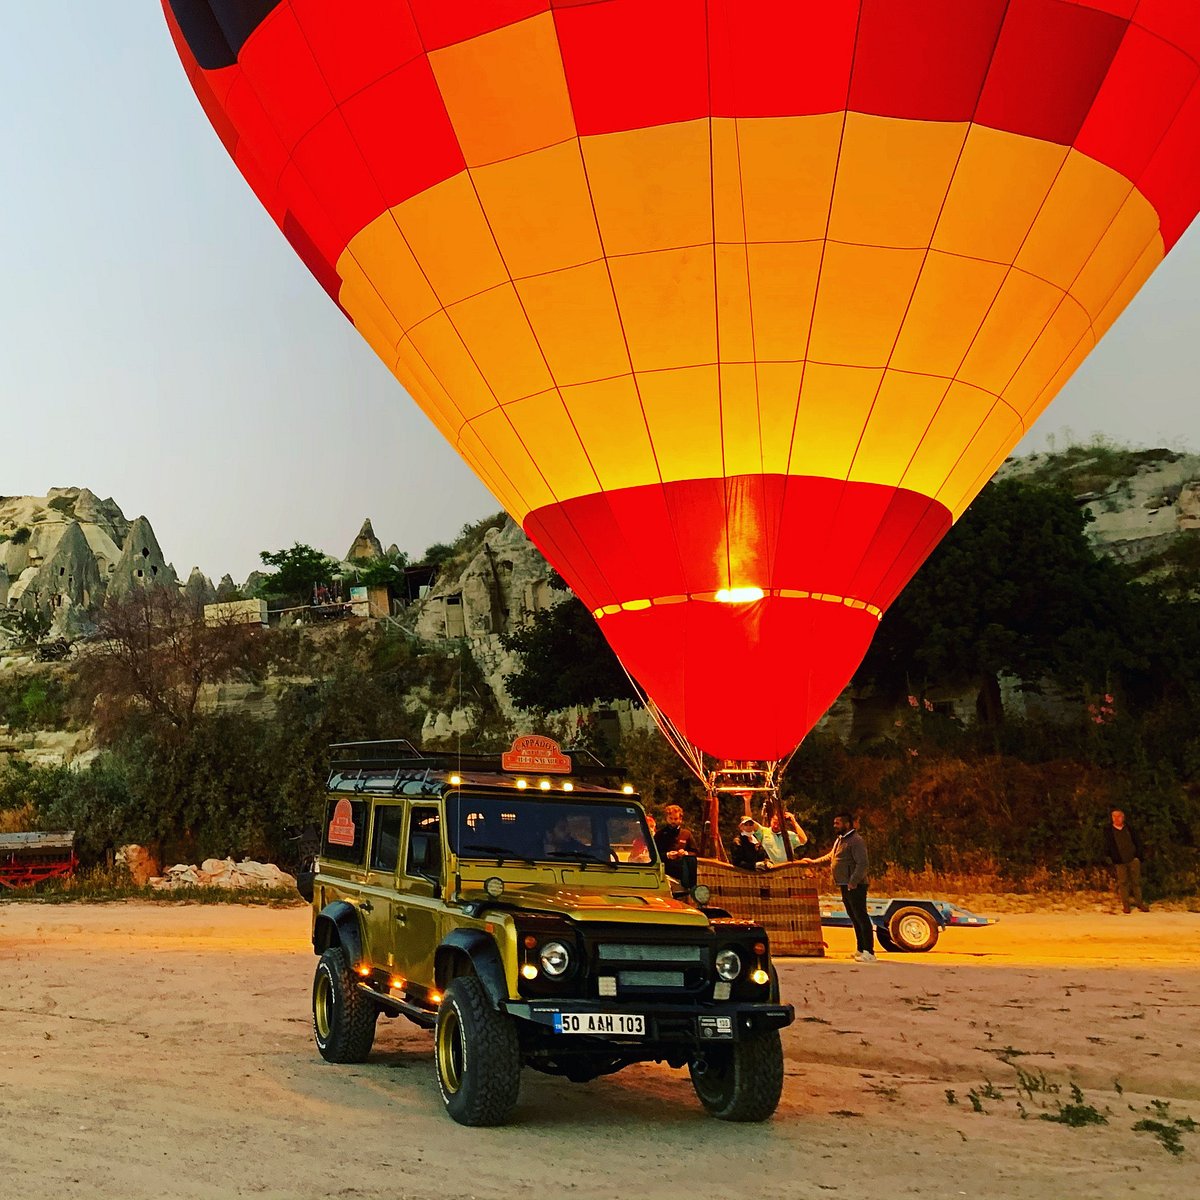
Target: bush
<point>33,702</point>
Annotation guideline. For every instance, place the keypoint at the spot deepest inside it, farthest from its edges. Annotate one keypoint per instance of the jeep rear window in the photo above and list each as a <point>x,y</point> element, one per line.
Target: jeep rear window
<point>344,834</point>
<point>549,831</point>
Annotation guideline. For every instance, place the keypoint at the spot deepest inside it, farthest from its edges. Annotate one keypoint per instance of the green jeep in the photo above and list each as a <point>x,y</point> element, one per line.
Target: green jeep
<point>525,916</point>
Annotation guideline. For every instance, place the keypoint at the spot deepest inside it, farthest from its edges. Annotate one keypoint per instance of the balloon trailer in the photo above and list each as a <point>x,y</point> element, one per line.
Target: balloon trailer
<point>906,925</point>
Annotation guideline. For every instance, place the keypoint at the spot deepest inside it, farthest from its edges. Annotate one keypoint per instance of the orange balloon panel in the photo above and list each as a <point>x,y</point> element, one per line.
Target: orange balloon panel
<point>735,305</point>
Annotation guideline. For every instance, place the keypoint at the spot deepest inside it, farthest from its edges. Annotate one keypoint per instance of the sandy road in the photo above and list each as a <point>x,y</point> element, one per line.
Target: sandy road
<point>164,1051</point>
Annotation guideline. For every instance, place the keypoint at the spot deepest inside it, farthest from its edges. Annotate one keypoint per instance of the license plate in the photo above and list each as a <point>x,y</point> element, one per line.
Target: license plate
<point>601,1024</point>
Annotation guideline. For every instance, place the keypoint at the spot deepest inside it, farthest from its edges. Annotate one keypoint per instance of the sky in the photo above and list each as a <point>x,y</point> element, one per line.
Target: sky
<point>161,343</point>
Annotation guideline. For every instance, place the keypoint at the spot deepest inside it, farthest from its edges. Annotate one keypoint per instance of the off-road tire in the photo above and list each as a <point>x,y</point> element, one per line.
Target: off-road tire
<point>343,1017</point>
<point>901,926</point>
<point>742,1081</point>
<point>477,1057</point>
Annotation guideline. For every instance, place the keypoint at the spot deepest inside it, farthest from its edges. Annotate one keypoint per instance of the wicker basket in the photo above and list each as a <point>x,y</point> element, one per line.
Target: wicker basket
<point>783,901</point>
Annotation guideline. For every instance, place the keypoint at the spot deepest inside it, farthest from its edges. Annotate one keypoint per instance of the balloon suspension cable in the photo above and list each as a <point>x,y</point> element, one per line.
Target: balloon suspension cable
<point>729,777</point>
<point>692,756</point>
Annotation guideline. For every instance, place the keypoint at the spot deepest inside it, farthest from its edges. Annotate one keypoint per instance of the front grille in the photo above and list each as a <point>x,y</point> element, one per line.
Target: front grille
<point>650,979</point>
<point>619,952</point>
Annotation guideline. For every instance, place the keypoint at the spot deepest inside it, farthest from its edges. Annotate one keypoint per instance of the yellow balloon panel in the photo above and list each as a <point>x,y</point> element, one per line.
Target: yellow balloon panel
<point>611,423</point>
<point>999,186</point>
<point>575,316</point>
<point>529,243</point>
<point>652,188</point>
<point>666,305</point>
<point>892,179</point>
<point>706,301</point>
<point>502,344</point>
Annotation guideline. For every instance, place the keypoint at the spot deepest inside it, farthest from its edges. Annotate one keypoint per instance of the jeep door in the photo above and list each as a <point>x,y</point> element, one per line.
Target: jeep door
<point>376,903</point>
<point>418,895</point>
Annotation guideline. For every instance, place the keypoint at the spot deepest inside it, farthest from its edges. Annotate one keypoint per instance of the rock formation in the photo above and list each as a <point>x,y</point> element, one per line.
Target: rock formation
<point>141,563</point>
<point>62,552</point>
<point>366,545</point>
<point>199,588</point>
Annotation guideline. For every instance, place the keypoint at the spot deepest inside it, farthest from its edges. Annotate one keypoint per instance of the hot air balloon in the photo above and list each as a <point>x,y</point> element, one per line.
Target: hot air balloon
<point>735,305</point>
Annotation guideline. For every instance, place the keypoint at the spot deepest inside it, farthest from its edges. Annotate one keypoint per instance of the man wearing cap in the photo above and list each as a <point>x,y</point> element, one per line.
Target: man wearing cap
<point>747,851</point>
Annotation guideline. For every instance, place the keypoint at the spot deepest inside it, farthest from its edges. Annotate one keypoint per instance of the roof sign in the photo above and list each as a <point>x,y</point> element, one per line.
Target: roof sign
<point>536,754</point>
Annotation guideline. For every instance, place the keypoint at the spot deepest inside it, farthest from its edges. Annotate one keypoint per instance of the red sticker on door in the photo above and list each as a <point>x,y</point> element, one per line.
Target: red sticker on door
<point>341,828</point>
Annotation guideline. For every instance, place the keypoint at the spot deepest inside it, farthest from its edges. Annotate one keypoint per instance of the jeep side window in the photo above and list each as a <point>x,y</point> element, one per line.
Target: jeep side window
<point>385,841</point>
<point>424,843</point>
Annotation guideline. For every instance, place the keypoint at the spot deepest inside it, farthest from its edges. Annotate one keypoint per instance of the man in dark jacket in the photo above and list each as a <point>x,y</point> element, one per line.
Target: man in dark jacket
<point>675,842</point>
<point>1125,851</point>
<point>850,867</point>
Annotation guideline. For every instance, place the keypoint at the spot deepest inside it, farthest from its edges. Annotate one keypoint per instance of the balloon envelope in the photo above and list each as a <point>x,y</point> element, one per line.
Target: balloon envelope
<point>734,304</point>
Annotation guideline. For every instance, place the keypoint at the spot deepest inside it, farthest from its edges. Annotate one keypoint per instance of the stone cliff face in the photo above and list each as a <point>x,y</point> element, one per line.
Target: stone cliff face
<point>496,591</point>
<point>66,551</point>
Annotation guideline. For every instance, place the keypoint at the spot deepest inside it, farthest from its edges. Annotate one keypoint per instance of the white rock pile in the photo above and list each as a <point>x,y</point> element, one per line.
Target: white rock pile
<point>224,872</point>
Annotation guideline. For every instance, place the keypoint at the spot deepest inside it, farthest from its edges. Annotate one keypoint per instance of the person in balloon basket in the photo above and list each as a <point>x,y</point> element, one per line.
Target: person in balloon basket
<point>1126,851</point>
<point>850,869</point>
<point>675,841</point>
<point>772,842</point>
<point>747,851</point>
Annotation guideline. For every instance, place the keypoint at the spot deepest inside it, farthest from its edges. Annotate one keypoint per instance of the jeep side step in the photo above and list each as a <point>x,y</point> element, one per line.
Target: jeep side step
<point>401,1008</point>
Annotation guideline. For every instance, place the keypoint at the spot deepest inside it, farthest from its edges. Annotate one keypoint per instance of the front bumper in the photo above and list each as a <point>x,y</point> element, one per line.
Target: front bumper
<point>666,1024</point>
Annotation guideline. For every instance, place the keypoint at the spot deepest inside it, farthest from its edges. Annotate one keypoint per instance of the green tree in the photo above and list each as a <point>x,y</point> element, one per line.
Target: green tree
<point>564,660</point>
<point>1014,589</point>
<point>297,571</point>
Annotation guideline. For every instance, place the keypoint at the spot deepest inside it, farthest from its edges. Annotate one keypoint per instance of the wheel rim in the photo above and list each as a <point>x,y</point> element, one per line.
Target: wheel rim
<point>323,1005</point>
<point>712,1081</point>
<point>915,930</point>
<point>451,1050</point>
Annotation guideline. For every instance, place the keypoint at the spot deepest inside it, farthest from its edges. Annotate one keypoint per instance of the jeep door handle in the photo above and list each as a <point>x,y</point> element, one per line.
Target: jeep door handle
<point>400,918</point>
<point>367,906</point>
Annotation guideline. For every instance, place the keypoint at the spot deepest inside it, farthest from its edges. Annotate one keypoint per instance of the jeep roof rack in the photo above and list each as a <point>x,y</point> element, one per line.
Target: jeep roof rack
<point>402,756</point>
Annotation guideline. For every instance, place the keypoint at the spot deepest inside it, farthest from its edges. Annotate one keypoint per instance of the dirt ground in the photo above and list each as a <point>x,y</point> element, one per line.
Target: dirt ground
<point>165,1051</point>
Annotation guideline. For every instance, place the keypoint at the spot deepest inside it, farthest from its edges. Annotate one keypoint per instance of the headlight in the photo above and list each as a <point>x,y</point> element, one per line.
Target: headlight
<point>701,893</point>
<point>556,958</point>
<point>729,965</point>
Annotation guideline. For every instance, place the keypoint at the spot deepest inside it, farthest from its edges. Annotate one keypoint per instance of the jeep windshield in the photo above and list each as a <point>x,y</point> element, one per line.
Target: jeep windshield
<point>535,830</point>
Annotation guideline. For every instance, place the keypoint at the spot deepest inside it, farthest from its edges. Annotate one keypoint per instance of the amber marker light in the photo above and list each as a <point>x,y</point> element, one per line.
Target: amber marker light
<point>628,789</point>
<point>544,785</point>
<point>568,787</point>
<point>455,780</point>
<point>742,595</point>
<point>396,983</point>
<point>435,997</point>
<point>522,784</point>
<point>364,971</point>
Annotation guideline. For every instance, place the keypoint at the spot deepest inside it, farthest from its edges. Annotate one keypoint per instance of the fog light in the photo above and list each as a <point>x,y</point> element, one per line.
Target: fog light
<point>729,965</point>
<point>529,971</point>
<point>494,886</point>
<point>758,975</point>
<point>701,893</point>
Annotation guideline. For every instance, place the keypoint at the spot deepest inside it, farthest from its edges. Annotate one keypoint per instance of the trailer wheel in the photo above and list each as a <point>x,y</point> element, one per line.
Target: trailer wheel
<point>913,930</point>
